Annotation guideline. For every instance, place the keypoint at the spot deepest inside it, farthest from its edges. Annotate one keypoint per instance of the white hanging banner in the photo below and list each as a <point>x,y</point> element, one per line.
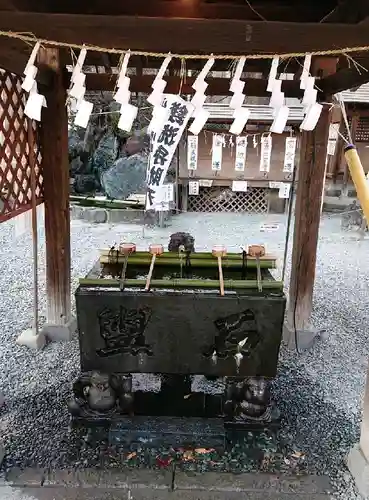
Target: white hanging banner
<point>165,144</point>
<point>239,186</point>
<point>284,190</point>
<point>193,188</point>
<point>192,151</point>
<point>289,154</point>
<point>217,153</point>
<point>266,153</point>
<point>241,150</point>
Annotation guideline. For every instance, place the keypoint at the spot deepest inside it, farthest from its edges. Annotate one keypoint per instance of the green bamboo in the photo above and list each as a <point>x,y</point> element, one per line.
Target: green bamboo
<point>196,255</point>
<point>164,261</point>
<point>183,283</point>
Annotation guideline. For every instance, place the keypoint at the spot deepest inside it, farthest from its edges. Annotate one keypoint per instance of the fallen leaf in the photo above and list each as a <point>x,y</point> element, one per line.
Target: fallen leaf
<point>202,451</point>
<point>131,455</point>
<point>286,461</point>
<point>297,454</point>
<point>188,455</point>
<point>187,396</point>
<point>164,462</point>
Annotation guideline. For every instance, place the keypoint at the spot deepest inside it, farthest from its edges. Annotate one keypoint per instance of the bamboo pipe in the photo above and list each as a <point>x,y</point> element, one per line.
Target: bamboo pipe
<point>358,177</point>
<point>183,283</point>
<point>126,249</point>
<point>220,251</point>
<point>174,255</point>
<point>257,251</point>
<point>154,250</point>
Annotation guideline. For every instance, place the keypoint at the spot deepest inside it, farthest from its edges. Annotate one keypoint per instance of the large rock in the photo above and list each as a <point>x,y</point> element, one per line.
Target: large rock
<point>127,176</point>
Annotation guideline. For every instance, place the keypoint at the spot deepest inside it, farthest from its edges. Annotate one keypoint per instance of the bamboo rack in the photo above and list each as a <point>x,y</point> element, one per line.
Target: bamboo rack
<point>265,263</point>
<point>182,283</point>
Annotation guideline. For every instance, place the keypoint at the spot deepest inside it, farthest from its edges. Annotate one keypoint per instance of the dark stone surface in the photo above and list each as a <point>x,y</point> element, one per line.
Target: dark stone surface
<point>173,332</point>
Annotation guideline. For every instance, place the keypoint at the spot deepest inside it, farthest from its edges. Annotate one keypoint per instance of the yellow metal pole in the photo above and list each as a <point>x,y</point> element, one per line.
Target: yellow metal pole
<point>359,178</point>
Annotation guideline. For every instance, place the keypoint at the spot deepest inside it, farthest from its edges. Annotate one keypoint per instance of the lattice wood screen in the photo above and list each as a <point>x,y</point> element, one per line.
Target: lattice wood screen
<point>218,199</point>
<point>15,170</point>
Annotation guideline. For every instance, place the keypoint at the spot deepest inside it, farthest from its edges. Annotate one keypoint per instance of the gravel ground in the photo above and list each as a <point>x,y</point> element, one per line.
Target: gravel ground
<point>318,392</point>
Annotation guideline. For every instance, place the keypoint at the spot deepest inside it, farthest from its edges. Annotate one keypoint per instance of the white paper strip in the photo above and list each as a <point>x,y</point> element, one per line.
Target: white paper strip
<point>123,69</point>
<point>237,101</point>
<point>289,154</point>
<point>127,117</point>
<point>217,153</point>
<point>156,96</point>
<point>313,113</point>
<point>159,115</point>
<point>284,190</point>
<point>310,93</point>
<point>331,147</point>
<point>32,58</point>
<point>238,87</point>
<point>162,70</point>
<point>79,65</point>
<point>239,186</point>
<point>266,152</point>
<point>83,114</point>
<point>193,188</point>
<point>305,71</point>
<point>203,74</point>
<point>198,100</point>
<point>241,151</point>
<point>273,74</point>
<point>30,78</point>
<point>192,151</point>
<point>241,116</point>
<point>201,117</point>
<point>280,120</point>
<point>34,106</point>
<point>237,74</point>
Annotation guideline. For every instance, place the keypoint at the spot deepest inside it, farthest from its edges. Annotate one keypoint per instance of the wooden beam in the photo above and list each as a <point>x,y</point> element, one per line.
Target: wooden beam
<point>185,35</point>
<point>56,192</point>
<point>276,11</point>
<point>311,178</point>
<point>217,86</point>
<point>345,79</point>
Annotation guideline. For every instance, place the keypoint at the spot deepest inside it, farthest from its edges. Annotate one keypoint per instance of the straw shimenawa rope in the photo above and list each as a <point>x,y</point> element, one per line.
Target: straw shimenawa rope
<point>30,38</point>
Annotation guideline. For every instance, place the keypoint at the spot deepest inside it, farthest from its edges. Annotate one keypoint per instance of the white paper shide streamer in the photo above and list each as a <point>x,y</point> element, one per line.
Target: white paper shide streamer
<point>289,155</point>
<point>35,101</point>
<point>217,153</point>
<point>266,153</point>
<point>241,114</point>
<point>200,114</point>
<point>277,100</point>
<point>241,150</point>
<point>128,112</point>
<point>192,151</point>
<point>313,109</point>
<point>77,92</point>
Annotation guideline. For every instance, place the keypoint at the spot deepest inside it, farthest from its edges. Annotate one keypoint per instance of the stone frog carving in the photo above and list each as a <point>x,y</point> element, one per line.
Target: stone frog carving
<point>123,331</point>
<point>181,239</point>
<point>237,333</point>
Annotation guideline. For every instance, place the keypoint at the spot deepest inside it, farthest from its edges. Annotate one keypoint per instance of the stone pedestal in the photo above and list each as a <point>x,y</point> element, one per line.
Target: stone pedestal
<point>60,333</point>
<point>359,468</point>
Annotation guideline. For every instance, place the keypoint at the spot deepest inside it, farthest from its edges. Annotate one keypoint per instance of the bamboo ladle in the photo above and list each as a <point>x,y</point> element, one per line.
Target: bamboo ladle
<point>126,249</point>
<point>220,251</point>
<point>154,250</point>
<point>257,251</point>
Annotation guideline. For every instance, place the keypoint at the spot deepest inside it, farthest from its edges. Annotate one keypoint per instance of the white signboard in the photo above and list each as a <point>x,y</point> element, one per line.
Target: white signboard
<point>269,228</point>
<point>241,149</point>
<point>239,186</point>
<point>192,151</point>
<point>165,144</point>
<point>217,153</point>
<point>284,190</point>
<point>331,147</point>
<point>205,183</point>
<point>274,184</point>
<point>266,153</point>
<point>289,154</point>
<point>193,188</point>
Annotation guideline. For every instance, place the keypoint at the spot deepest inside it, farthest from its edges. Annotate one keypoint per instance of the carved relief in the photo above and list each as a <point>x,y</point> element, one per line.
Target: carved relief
<point>237,333</point>
<point>123,331</point>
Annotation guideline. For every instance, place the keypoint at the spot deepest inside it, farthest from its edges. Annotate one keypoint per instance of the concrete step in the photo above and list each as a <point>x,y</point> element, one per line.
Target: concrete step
<point>165,484</point>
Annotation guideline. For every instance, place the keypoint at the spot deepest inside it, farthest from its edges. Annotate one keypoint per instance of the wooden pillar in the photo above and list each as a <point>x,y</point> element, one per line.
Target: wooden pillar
<point>56,189</point>
<point>309,197</point>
